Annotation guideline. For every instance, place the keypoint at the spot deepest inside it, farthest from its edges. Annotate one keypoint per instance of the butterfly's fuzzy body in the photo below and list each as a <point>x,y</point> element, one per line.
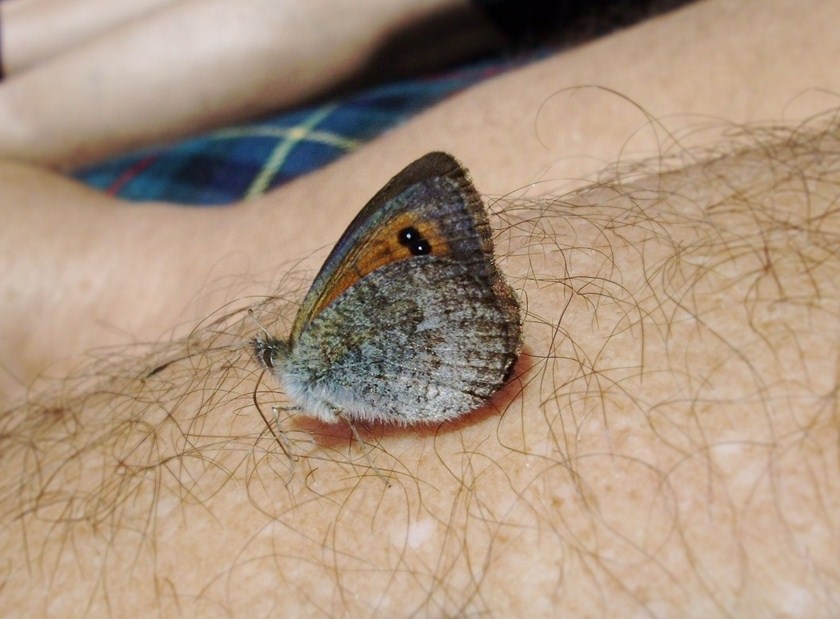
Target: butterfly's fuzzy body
<point>409,321</point>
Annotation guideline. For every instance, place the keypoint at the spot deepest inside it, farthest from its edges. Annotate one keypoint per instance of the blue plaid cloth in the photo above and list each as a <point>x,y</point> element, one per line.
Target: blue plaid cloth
<point>245,161</point>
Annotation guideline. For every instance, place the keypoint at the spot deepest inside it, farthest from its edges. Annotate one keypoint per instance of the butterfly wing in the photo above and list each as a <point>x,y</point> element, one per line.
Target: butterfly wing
<point>415,341</point>
<point>433,197</point>
<point>409,319</point>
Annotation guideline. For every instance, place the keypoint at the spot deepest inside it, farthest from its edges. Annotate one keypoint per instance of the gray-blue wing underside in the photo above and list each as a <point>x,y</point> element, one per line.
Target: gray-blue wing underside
<point>417,340</point>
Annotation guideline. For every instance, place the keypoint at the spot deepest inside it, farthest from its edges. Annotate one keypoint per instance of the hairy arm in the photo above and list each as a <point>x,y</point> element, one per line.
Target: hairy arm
<point>669,447</point>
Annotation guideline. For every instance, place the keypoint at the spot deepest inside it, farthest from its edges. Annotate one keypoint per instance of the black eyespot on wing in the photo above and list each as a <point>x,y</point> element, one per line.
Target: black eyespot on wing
<point>421,248</point>
<point>410,237</point>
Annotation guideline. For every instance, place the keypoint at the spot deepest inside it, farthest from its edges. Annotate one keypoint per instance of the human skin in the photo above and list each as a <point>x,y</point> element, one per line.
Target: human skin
<point>88,80</point>
<point>35,30</point>
<point>669,446</point>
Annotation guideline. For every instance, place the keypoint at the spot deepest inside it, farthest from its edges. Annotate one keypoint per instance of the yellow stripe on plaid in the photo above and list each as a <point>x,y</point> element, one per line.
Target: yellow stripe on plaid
<point>290,137</point>
<point>323,137</point>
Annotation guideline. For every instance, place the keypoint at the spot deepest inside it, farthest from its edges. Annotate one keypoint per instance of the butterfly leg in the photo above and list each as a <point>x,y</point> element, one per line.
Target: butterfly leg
<point>340,416</point>
<point>280,436</point>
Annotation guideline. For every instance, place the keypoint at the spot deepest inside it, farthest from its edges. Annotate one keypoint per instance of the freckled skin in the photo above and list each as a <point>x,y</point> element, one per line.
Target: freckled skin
<point>430,329</point>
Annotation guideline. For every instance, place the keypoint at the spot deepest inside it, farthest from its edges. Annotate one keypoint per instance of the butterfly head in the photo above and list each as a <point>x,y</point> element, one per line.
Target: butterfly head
<point>270,352</point>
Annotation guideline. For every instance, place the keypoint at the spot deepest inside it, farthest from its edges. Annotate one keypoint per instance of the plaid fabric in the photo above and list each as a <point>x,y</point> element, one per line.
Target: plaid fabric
<point>248,160</point>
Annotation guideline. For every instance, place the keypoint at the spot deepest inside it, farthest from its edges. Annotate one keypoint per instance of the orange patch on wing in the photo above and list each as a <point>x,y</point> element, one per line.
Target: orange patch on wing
<point>381,248</point>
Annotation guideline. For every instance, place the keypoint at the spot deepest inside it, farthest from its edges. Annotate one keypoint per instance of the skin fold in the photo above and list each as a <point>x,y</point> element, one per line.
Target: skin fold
<point>140,72</point>
<point>667,447</point>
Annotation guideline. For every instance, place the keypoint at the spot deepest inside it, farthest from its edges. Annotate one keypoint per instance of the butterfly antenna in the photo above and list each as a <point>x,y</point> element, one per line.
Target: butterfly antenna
<point>283,442</point>
<point>257,322</point>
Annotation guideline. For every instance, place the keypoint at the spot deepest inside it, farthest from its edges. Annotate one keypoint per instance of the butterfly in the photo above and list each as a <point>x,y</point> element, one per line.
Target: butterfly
<point>409,320</point>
